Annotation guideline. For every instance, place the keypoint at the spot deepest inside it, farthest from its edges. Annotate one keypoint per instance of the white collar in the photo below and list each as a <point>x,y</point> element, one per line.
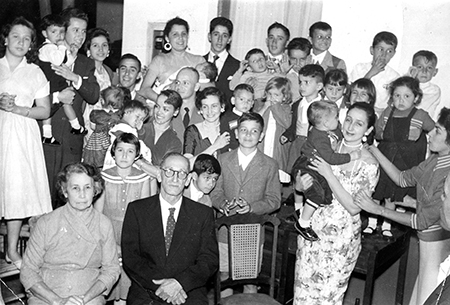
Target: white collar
<point>318,57</point>
<point>244,160</point>
<point>196,194</point>
<point>239,113</point>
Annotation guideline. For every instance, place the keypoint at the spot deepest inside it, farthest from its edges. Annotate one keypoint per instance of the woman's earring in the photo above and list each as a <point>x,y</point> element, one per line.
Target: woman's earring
<point>364,139</point>
<point>167,46</point>
<point>107,54</point>
<point>88,53</point>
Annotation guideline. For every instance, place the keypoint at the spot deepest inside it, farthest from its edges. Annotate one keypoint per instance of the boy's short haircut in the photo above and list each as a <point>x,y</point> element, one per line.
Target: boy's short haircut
<point>117,93</point>
<point>133,105</point>
<point>386,37</point>
<point>319,25</point>
<point>72,12</point>
<point>209,91</point>
<point>429,56</point>
<point>243,87</point>
<point>175,21</point>
<point>210,70</point>
<point>173,98</point>
<point>128,138</point>
<point>251,116</point>
<point>336,77</point>
<point>253,52</point>
<point>277,25</point>
<point>206,164</point>
<point>52,19</point>
<point>319,111</point>
<point>223,22</point>
<point>314,71</point>
<point>300,43</point>
<point>93,33</point>
<point>133,57</point>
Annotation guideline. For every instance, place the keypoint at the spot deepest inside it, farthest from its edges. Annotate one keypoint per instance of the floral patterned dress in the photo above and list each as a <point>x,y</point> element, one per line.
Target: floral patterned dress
<point>323,267</point>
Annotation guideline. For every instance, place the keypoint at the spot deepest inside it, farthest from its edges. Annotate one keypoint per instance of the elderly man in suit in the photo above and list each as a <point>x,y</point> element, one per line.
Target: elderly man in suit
<point>83,89</point>
<point>220,31</point>
<point>169,246</point>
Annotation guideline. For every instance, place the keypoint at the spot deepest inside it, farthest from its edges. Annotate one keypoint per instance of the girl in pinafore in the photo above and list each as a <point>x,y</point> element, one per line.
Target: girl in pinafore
<point>401,131</point>
<point>123,183</point>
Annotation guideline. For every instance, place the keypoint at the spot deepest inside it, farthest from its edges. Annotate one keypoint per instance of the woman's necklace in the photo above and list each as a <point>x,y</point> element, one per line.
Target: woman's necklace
<point>359,146</point>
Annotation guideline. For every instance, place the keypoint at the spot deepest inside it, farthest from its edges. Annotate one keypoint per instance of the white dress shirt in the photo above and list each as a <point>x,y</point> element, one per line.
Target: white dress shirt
<point>165,206</point>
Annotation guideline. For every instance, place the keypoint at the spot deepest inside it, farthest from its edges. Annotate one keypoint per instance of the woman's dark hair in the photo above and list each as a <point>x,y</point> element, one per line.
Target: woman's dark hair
<point>93,33</point>
<point>409,82</point>
<point>128,138</point>
<point>210,91</point>
<point>79,168</point>
<point>175,21</point>
<point>444,121</point>
<point>371,118</point>
<point>32,53</point>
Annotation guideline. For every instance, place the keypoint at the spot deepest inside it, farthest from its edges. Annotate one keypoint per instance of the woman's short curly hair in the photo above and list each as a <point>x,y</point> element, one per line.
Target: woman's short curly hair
<point>79,168</point>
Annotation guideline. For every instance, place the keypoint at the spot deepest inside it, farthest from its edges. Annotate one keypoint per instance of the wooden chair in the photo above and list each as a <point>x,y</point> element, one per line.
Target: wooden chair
<point>245,236</point>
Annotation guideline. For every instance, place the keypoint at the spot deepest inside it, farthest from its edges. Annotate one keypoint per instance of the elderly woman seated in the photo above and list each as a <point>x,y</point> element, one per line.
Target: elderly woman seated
<point>71,257</point>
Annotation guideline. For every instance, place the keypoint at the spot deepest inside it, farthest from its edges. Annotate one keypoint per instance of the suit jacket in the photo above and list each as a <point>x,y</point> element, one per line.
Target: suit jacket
<point>230,66</point>
<point>290,133</point>
<point>193,257</point>
<point>71,146</point>
<point>178,126</point>
<point>259,185</point>
<point>331,62</point>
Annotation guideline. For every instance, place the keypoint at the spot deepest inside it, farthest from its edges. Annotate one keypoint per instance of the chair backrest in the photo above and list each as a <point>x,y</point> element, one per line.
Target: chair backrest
<point>245,240</point>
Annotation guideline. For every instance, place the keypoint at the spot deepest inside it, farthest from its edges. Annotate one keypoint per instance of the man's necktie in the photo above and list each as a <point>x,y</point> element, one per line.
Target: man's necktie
<point>170,227</point>
<point>215,58</point>
<point>186,117</point>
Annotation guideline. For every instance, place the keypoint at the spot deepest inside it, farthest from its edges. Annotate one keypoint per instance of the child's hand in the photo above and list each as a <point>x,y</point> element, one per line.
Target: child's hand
<point>285,67</point>
<point>355,155</point>
<point>7,101</point>
<point>378,66</point>
<point>413,71</point>
<point>283,140</point>
<point>302,183</point>
<point>243,66</point>
<point>243,206</point>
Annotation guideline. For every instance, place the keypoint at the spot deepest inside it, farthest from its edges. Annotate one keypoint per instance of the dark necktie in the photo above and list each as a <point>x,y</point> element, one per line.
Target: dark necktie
<point>215,58</point>
<point>186,117</point>
<point>170,227</point>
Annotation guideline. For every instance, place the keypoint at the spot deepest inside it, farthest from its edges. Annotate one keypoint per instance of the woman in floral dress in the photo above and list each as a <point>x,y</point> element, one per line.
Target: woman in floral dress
<point>323,267</point>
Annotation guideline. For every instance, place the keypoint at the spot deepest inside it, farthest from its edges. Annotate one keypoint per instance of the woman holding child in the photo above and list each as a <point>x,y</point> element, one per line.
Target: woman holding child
<point>428,178</point>
<point>323,267</point>
<point>176,35</point>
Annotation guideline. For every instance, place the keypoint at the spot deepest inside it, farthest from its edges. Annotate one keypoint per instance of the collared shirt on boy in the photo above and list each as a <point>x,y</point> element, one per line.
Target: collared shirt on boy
<point>317,59</point>
<point>431,99</point>
<point>244,160</point>
<point>219,61</point>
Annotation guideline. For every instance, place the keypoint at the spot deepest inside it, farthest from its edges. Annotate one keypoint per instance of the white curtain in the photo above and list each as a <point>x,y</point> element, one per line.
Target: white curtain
<point>251,18</point>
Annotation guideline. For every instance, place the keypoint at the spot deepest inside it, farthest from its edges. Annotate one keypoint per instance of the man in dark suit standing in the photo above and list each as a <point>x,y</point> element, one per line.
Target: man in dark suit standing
<point>169,246</point>
<point>220,31</point>
<point>83,89</point>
